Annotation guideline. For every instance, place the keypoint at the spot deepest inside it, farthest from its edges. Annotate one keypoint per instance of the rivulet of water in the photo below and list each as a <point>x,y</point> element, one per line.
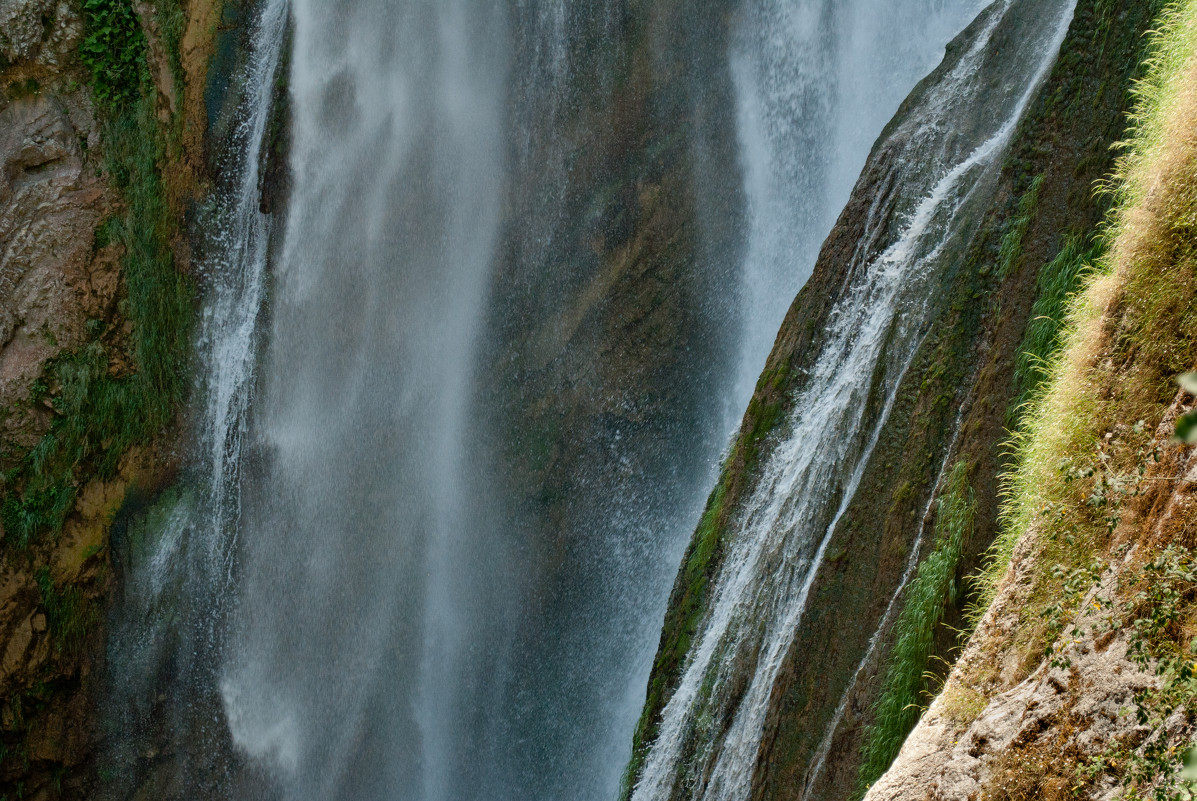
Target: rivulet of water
<point>816,81</point>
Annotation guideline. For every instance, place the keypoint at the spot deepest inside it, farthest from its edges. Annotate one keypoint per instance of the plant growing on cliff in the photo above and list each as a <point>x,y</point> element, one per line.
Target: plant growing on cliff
<point>69,615</point>
<point>113,49</point>
<point>103,406</point>
<point>1016,229</point>
<point>903,691</point>
<point>1058,282</point>
<point>1156,608</point>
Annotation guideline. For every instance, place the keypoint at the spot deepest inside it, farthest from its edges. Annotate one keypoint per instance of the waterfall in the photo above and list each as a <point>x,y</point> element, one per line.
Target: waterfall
<point>365,573</point>
<point>168,629</point>
<point>711,728</point>
<point>431,516</point>
<point>816,81</point>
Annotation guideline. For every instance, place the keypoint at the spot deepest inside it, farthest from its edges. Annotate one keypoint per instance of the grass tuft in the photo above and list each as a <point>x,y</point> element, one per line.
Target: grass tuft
<point>1058,283</point>
<point>1016,229</point>
<point>69,615</point>
<point>904,689</point>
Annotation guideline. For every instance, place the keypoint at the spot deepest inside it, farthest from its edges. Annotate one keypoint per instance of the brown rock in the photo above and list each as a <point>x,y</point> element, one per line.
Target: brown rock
<point>51,201</point>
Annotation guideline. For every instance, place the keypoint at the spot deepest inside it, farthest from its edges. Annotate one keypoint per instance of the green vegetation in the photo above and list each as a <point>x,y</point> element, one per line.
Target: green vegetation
<point>69,615</point>
<point>113,49</point>
<point>903,690</point>
<point>1016,228</point>
<point>1157,614</point>
<point>766,410</point>
<point>172,22</point>
<point>1058,282</point>
<point>102,408</point>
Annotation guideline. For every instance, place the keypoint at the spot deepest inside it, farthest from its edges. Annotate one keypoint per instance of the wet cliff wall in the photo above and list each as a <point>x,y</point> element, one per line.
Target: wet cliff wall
<point>103,126</point>
<point>1078,682</point>
<point>954,406</point>
<point>615,312</point>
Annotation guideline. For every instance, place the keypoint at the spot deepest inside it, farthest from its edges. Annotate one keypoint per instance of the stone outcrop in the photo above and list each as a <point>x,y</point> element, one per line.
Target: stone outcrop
<point>42,33</point>
<point>53,276</point>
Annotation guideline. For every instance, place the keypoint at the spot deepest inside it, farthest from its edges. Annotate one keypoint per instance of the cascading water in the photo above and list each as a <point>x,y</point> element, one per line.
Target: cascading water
<point>711,728</point>
<point>415,615</point>
<point>355,623</point>
<point>177,567</point>
<point>816,80</point>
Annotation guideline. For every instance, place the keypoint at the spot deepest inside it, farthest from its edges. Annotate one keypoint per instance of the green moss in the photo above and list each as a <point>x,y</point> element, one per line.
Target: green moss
<point>25,88</point>
<point>900,702</point>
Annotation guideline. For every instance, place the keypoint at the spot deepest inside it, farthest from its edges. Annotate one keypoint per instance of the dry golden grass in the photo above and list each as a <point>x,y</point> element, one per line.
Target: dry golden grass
<point>1128,335</point>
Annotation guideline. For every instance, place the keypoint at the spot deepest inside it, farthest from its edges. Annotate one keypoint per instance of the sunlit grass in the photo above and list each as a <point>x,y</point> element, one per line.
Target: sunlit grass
<point>1125,337</point>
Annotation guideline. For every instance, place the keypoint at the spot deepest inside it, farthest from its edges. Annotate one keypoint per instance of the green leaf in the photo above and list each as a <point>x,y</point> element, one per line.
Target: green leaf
<point>1186,428</point>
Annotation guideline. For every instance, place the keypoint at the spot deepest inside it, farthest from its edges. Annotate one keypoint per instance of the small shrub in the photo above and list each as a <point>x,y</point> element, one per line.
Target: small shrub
<point>113,49</point>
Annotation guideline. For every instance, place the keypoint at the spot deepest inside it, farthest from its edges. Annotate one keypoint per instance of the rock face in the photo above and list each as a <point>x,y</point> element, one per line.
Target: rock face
<point>993,734</point>
<point>953,407</point>
<point>53,278</point>
<point>963,385</point>
<point>39,32</point>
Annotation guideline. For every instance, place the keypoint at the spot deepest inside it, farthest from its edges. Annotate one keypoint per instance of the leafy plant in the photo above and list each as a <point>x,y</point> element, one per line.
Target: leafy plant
<point>1186,426</point>
<point>113,49</point>
<point>1156,613</point>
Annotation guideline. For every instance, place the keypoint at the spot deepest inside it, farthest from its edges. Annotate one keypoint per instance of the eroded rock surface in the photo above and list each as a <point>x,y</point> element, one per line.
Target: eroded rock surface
<point>53,278</point>
<point>42,32</point>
